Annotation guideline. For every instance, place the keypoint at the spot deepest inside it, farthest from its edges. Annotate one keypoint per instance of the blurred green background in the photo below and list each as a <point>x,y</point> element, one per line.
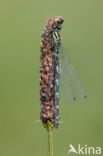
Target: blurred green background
<point>21,25</point>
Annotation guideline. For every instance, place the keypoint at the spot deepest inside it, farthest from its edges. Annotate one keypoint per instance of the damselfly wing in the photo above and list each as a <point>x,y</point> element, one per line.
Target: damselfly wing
<point>71,85</point>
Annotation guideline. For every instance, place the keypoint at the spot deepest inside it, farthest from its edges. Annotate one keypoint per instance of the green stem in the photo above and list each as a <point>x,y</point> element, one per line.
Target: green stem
<point>50,139</point>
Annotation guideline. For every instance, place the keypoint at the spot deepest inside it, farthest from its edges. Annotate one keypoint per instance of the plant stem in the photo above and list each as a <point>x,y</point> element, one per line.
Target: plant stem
<point>50,140</point>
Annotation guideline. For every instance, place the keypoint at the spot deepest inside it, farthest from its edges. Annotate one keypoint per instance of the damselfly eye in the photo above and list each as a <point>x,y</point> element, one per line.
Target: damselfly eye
<point>59,27</point>
<point>54,26</point>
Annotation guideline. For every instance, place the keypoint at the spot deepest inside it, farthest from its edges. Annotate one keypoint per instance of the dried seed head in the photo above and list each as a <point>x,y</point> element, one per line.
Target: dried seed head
<point>47,72</point>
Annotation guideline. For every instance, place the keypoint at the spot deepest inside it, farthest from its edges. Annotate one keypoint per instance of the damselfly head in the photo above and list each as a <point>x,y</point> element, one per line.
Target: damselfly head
<point>56,27</point>
<point>57,23</point>
<point>54,22</point>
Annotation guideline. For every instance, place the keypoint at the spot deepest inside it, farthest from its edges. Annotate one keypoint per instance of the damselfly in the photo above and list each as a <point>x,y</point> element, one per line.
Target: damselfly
<point>72,88</point>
